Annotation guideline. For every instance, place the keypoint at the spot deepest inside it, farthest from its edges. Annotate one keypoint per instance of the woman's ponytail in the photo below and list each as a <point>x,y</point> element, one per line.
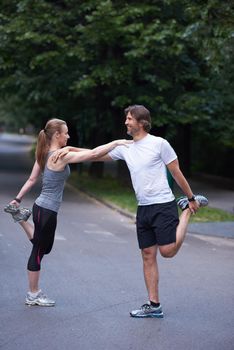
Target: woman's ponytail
<point>42,149</point>
<point>44,140</point>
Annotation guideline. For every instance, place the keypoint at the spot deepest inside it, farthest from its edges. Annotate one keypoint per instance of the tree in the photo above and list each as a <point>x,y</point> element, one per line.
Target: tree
<point>212,31</point>
<point>87,60</point>
<point>120,51</point>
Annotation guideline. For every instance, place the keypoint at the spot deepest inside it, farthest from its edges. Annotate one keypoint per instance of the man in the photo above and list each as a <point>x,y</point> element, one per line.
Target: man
<point>158,225</point>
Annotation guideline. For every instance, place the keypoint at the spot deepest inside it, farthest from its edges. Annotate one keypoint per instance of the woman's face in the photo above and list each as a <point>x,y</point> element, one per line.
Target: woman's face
<point>63,136</point>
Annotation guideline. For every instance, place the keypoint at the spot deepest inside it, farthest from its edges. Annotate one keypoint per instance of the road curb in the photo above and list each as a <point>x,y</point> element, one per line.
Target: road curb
<point>104,202</point>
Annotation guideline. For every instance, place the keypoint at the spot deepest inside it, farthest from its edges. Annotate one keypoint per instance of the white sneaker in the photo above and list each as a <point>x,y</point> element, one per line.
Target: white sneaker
<point>40,299</point>
<point>23,214</point>
<point>11,209</point>
<point>147,310</point>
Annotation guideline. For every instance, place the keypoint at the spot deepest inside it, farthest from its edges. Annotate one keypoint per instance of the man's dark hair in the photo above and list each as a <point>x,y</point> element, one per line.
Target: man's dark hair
<point>141,114</point>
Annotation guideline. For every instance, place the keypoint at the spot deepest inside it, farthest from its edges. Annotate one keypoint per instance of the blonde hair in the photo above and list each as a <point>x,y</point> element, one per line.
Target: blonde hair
<point>44,139</point>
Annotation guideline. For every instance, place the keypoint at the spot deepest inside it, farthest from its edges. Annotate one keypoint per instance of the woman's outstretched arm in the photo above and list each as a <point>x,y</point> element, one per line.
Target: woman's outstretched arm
<point>94,154</point>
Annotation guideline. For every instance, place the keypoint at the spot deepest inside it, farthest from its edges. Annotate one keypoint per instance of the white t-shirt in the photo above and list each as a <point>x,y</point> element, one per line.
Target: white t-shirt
<point>146,160</point>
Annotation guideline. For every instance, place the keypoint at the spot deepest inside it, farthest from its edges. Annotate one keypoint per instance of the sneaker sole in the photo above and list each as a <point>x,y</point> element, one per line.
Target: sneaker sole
<point>10,211</point>
<point>32,303</point>
<point>23,218</point>
<point>148,316</point>
<point>20,220</point>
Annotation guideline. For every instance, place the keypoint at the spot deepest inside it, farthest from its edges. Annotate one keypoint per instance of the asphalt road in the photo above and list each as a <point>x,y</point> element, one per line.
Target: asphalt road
<point>95,275</point>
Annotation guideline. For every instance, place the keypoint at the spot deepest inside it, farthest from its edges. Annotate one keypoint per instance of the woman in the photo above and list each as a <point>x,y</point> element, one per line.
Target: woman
<point>53,137</point>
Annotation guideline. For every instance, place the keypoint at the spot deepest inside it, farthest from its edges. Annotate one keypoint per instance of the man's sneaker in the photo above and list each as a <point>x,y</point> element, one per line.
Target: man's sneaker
<point>11,209</point>
<point>147,310</point>
<point>183,202</point>
<point>22,215</point>
<point>40,299</point>
<point>203,201</point>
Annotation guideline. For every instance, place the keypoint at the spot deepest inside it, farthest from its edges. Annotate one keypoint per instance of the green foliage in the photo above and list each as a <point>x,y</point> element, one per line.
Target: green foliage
<point>212,32</point>
<point>87,60</point>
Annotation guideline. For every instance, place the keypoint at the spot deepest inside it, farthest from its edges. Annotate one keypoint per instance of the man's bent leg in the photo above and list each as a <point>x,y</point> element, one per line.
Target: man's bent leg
<point>170,250</point>
<point>151,274</point>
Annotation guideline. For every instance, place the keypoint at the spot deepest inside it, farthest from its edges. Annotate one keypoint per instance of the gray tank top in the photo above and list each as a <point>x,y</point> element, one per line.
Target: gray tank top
<point>53,183</point>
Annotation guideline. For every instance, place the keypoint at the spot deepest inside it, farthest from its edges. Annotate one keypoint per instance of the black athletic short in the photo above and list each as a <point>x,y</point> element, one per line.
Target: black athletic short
<point>156,224</point>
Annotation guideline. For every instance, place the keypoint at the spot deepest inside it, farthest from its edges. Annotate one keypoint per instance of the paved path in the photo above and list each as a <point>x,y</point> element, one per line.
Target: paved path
<point>94,272</point>
<point>218,197</point>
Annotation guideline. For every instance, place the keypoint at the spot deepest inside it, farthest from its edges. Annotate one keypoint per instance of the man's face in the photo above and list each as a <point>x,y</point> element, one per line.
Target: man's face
<point>133,126</point>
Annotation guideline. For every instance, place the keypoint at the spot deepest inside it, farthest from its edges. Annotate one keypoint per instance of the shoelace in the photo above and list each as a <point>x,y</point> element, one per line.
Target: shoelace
<point>42,296</point>
<point>146,307</point>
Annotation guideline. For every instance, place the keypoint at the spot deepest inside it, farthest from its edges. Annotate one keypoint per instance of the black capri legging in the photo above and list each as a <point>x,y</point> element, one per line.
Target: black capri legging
<point>45,222</point>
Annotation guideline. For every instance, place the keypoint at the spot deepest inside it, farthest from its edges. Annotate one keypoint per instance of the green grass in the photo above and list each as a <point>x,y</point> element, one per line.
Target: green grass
<point>208,214</point>
<point>109,189</point>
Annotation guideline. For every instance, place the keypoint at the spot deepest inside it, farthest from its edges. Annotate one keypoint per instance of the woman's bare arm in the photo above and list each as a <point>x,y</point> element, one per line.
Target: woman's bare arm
<point>36,171</point>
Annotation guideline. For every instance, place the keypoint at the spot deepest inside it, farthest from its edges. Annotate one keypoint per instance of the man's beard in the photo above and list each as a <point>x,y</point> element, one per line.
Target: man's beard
<point>132,131</point>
